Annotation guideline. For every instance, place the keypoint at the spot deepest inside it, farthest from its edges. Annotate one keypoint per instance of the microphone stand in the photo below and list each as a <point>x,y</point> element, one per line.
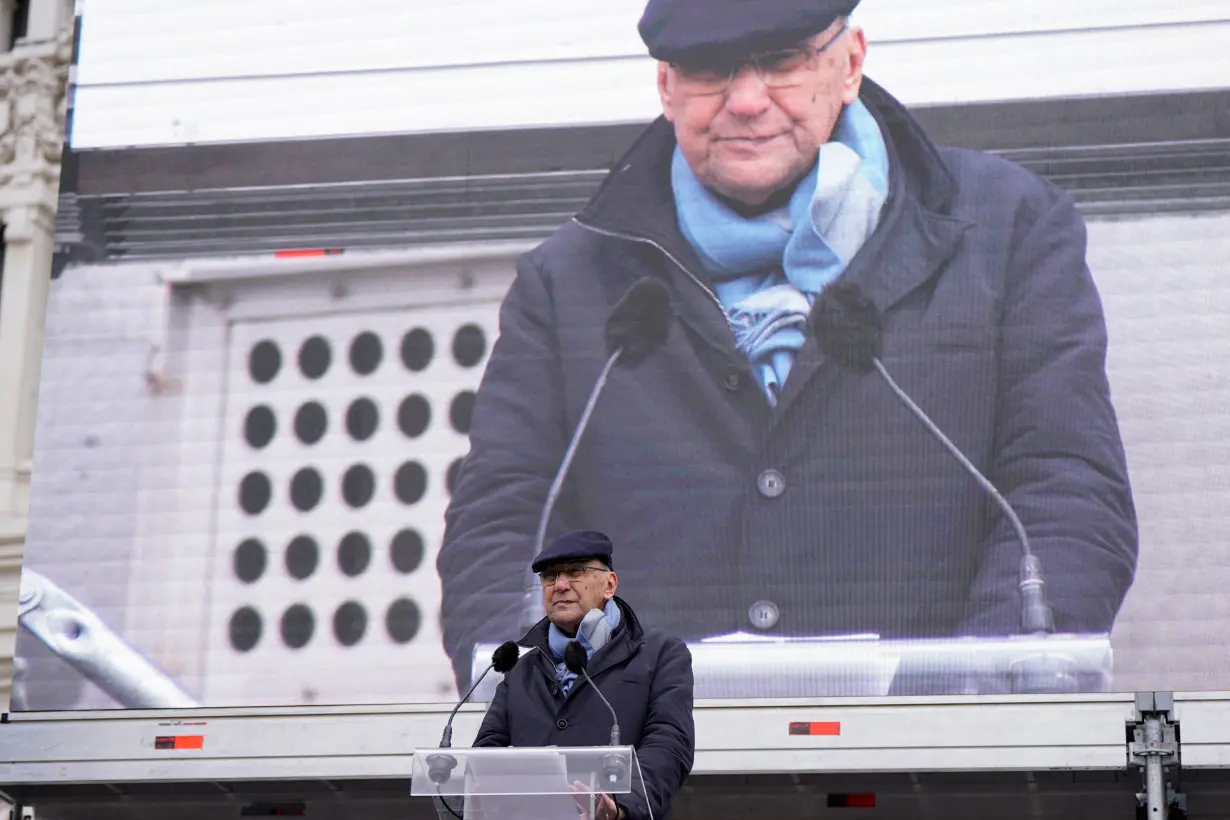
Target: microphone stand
<point>532,611</point>
<point>440,766</point>
<point>614,767</point>
<point>638,324</point>
<point>1045,674</point>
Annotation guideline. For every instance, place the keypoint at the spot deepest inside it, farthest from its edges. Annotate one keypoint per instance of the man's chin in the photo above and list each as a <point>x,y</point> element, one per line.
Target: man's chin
<point>751,182</point>
<point>564,615</point>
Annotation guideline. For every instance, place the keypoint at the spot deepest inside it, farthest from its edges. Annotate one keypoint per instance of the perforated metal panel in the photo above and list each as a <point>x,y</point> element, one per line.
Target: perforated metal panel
<point>342,435</point>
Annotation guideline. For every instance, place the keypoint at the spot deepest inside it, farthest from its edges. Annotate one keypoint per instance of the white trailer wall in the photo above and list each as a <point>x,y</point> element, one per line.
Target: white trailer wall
<point>152,72</point>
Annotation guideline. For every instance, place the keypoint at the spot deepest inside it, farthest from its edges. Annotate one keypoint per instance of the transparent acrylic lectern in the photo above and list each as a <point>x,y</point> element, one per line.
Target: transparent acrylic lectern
<point>545,783</point>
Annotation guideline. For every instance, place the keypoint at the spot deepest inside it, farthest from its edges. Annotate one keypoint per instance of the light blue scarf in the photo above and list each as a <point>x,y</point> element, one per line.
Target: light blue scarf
<point>593,633</point>
<point>768,270</point>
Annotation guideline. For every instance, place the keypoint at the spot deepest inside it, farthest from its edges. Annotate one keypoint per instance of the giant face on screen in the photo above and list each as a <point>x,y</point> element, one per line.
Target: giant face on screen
<point>860,414</point>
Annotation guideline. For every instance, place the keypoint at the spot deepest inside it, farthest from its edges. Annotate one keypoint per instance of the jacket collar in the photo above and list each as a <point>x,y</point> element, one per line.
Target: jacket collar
<point>636,198</point>
<point>916,236</point>
<point>625,640</point>
<point>629,625</point>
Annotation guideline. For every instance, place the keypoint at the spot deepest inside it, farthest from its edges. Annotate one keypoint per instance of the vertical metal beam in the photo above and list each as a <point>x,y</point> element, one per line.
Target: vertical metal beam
<point>1153,746</point>
<point>1155,781</point>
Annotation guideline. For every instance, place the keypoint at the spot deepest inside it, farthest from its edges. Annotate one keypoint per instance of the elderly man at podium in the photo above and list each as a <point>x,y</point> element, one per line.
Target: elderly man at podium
<point>644,673</point>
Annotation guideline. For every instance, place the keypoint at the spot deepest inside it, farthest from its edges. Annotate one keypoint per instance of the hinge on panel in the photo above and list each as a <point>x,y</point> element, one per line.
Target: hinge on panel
<point>158,373</point>
<point>1153,747</point>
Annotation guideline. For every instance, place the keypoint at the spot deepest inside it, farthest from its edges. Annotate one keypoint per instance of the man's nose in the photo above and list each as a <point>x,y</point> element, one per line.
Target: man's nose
<point>747,95</point>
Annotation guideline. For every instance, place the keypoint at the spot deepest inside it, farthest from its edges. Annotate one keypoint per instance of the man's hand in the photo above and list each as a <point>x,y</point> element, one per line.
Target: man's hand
<point>604,805</point>
<point>605,808</point>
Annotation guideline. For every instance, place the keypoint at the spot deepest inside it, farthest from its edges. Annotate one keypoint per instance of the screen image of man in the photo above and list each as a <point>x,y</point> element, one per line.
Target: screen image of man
<point>756,487</point>
<point>645,674</point>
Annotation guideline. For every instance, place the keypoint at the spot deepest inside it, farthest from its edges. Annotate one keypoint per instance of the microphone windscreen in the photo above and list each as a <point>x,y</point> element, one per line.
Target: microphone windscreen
<point>848,327</point>
<point>640,321</point>
<point>505,657</point>
<point>575,657</point>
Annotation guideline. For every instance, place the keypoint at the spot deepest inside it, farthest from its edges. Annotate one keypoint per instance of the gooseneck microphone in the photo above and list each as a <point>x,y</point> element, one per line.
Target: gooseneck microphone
<point>638,325</point>
<point>849,329</point>
<point>440,767</point>
<point>576,659</point>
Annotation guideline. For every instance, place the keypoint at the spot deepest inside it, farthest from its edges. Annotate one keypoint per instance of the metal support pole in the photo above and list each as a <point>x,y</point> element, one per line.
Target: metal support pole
<point>78,636</point>
<point>1155,782</point>
<point>1154,747</point>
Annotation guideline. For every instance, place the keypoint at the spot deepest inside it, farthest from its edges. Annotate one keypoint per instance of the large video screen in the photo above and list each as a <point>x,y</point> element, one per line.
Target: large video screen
<point>929,427</point>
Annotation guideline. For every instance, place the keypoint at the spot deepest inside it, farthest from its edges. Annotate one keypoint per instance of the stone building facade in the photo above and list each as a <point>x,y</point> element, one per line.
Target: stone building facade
<point>33,79</point>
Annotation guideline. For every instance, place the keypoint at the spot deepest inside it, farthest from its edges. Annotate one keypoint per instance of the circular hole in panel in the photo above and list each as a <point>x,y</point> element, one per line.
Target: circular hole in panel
<point>413,415</point>
<point>245,629</point>
<point>259,427</point>
<point>255,491</point>
<point>298,624</point>
<point>417,349</point>
<point>311,422</point>
<point>302,557</point>
<point>315,356</point>
<point>362,419</point>
<point>461,411</point>
<point>402,620</point>
<point>264,361</point>
<point>469,345</point>
<point>358,485</point>
<point>349,623</point>
<point>250,560</point>
<point>450,478</point>
<point>354,553</point>
<point>406,551</point>
<point>306,488</point>
<point>410,482</point>
<point>366,353</point>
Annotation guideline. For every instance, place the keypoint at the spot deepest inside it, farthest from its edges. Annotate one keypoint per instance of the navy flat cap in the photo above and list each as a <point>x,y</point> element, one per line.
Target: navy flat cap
<point>578,545</point>
<point>676,28</point>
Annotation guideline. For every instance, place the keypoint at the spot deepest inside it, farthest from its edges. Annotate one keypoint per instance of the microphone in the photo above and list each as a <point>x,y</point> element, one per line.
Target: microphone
<point>440,767</point>
<point>640,322</point>
<point>614,767</point>
<point>849,329</point>
<point>638,325</point>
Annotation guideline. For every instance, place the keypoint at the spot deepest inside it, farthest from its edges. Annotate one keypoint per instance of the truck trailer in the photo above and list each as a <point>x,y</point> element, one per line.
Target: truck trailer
<point>285,232</point>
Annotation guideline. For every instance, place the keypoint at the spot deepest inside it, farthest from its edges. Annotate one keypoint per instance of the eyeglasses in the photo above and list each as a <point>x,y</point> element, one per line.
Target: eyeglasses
<point>782,68</point>
<point>573,574</point>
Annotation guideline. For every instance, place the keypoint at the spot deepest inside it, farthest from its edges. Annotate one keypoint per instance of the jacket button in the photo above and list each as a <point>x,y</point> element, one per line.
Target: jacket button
<point>763,614</point>
<point>561,724</point>
<point>771,484</point>
<point>554,690</point>
<point>734,381</point>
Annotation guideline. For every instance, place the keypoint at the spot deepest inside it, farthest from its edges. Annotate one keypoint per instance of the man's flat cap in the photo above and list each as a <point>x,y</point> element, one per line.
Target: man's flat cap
<point>673,29</point>
<point>578,545</point>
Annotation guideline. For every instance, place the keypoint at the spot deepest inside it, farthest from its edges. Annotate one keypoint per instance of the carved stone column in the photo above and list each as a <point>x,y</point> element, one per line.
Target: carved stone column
<point>32,107</point>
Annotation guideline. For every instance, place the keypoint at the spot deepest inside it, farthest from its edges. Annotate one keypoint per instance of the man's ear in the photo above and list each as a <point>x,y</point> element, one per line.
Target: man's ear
<point>853,82</point>
<point>664,92</point>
